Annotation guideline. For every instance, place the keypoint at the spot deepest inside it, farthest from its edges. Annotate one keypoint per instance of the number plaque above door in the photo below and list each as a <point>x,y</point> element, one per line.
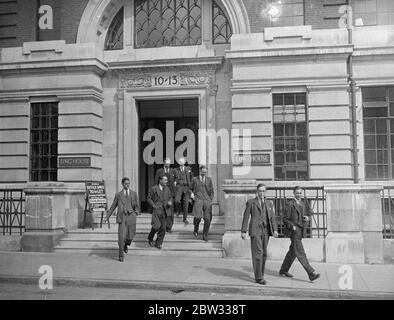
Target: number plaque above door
<point>161,80</point>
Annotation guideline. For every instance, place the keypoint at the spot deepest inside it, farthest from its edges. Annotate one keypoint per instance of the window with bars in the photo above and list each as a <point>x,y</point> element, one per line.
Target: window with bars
<point>374,12</point>
<point>221,28</point>
<point>43,141</point>
<point>378,119</point>
<point>114,39</point>
<point>161,23</point>
<point>290,136</point>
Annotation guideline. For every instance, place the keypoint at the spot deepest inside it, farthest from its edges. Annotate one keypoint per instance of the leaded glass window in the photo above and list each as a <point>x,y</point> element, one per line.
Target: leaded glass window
<point>221,28</point>
<point>290,137</point>
<point>114,39</point>
<point>161,23</point>
<point>43,141</point>
<point>378,118</point>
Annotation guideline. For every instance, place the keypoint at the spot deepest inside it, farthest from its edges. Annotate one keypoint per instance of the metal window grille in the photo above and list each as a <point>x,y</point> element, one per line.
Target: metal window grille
<point>378,122</point>
<point>43,141</point>
<point>221,28</point>
<point>316,198</point>
<point>388,212</point>
<point>290,137</point>
<point>161,23</point>
<point>114,39</point>
<point>12,211</point>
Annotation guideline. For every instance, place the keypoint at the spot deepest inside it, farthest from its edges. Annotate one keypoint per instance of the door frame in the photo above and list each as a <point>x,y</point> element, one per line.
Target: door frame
<point>128,127</point>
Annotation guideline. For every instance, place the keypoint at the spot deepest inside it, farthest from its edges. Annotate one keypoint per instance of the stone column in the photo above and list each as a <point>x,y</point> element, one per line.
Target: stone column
<point>237,193</point>
<point>354,224</point>
<point>51,208</point>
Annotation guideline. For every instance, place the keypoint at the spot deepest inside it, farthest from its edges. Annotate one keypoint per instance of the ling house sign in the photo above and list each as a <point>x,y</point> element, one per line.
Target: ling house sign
<point>167,79</point>
<point>74,162</point>
<point>256,159</point>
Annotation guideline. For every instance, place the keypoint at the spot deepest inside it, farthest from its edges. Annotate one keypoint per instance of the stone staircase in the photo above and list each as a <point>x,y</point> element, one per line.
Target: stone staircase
<point>181,242</point>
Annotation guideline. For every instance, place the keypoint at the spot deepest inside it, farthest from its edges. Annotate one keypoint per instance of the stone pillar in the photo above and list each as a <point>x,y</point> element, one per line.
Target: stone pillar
<point>237,193</point>
<point>354,224</point>
<point>51,208</point>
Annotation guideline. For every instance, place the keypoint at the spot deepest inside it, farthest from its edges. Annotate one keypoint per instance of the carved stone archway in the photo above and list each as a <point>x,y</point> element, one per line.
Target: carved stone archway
<point>98,14</point>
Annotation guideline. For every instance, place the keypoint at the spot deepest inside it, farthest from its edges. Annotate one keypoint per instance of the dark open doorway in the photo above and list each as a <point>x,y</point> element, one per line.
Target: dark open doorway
<point>155,114</point>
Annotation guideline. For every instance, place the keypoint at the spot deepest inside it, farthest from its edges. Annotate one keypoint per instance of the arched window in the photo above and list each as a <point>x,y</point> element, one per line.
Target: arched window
<point>221,28</point>
<point>114,39</point>
<point>161,23</point>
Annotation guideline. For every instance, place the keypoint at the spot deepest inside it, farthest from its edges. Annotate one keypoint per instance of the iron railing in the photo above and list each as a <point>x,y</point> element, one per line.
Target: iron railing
<point>12,211</point>
<point>316,197</point>
<point>388,212</point>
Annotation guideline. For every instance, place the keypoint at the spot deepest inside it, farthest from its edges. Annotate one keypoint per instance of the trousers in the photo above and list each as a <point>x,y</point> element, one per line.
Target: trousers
<point>182,197</point>
<point>296,250</point>
<point>160,230</point>
<point>126,231</point>
<point>259,244</point>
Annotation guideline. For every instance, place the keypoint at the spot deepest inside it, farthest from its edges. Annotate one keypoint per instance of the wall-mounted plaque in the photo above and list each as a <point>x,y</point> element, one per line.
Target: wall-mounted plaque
<point>74,162</point>
<point>255,159</point>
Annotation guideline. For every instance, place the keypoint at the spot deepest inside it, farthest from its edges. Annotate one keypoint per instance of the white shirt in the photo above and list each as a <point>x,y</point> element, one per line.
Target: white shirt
<point>126,192</point>
<point>161,187</point>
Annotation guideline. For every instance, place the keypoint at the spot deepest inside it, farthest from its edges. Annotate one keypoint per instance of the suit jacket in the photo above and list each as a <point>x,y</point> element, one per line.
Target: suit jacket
<point>294,213</point>
<point>255,211</point>
<point>203,192</point>
<point>159,201</point>
<point>171,178</point>
<point>125,205</point>
<point>188,173</point>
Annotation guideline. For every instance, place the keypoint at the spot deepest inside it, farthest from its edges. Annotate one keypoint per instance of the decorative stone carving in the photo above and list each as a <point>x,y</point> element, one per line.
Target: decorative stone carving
<point>120,94</point>
<point>167,77</point>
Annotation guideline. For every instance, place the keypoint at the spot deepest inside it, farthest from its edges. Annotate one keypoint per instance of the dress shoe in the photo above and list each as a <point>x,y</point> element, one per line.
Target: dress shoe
<point>121,259</point>
<point>150,243</point>
<point>286,274</point>
<point>185,221</point>
<point>195,234</point>
<point>125,248</point>
<point>158,246</point>
<point>205,239</point>
<point>313,276</point>
<point>261,281</point>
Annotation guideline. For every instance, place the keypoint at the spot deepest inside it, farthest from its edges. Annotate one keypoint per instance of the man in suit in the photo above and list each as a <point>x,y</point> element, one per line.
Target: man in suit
<point>183,180</point>
<point>161,201</point>
<point>297,215</point>
<point>128,209</point>
<point>202,194</point>
<point>170,174</point>
<point>262,225</point>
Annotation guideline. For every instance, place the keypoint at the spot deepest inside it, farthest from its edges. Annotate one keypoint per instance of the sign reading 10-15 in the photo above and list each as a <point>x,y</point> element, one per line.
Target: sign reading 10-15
<point>165,80</point>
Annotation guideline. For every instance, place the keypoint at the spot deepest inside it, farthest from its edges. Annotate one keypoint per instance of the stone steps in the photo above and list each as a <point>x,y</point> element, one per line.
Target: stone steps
<point>181,242</point>
<point>203,253</point>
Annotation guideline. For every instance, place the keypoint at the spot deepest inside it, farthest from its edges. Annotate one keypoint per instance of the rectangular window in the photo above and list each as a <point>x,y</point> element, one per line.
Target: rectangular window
<point>378,118</point>
<point>43,141</point>
<point>290,136</point>
<point>285,13</point>
<point>374,12</point>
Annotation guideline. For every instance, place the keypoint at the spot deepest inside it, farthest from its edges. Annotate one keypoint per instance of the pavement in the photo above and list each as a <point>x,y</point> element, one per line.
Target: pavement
<point>213,275</point>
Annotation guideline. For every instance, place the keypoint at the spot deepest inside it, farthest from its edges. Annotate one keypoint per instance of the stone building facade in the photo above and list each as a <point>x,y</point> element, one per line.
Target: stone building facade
<point>75,99</point>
